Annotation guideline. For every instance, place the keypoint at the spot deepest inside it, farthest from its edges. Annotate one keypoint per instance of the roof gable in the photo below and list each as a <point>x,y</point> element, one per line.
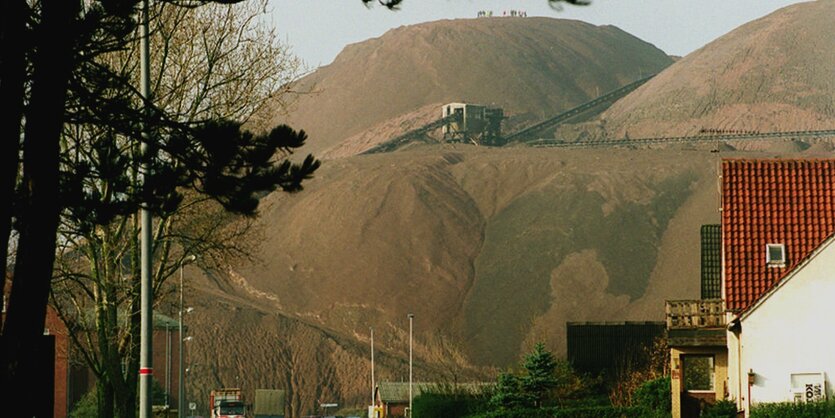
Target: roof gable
<point>393,392</point>
<point>787,278</point>
<point>787,202</point>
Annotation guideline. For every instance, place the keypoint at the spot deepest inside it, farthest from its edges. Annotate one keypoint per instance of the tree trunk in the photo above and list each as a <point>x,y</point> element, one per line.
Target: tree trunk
<point>104,396</point>
<point>39,213</point>
<point>12,72</point>
<point>134,307</point>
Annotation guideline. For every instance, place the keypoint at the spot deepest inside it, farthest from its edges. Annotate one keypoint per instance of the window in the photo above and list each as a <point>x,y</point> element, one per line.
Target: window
<point>698,373</point>
<point>775,255</point>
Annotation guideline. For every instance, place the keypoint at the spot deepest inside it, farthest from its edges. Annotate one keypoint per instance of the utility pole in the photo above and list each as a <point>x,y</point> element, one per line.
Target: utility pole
<point>146,365</point>
<point>373,382</point>
<point>411,318</point>
<point>181,397</point>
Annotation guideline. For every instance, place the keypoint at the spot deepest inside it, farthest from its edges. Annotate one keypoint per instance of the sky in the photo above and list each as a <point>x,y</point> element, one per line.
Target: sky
<point>317,30</point>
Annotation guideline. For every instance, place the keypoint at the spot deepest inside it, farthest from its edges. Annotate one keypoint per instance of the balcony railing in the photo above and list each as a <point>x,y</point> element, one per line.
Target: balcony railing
<point>706,313</point>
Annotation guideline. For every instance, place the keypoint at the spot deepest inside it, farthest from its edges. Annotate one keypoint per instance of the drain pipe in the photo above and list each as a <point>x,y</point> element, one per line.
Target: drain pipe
<point>735,326</point>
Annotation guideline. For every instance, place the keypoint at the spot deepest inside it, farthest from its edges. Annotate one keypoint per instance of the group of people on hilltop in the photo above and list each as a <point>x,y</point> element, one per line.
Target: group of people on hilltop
<point>511,13</point>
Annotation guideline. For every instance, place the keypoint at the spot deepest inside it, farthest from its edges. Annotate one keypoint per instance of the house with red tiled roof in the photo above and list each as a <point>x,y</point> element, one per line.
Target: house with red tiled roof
<point>766,339</point>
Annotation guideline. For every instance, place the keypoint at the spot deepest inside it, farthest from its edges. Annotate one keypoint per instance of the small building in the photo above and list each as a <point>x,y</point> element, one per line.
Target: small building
<point>392,398</point>
<point>472,123</point>
<point>607,347</point>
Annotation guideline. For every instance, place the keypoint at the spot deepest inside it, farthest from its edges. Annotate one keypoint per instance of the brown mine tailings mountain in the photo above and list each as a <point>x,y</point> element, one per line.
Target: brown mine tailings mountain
<point>532,67</point>
<point>493,249</point>
<point>771,74</point>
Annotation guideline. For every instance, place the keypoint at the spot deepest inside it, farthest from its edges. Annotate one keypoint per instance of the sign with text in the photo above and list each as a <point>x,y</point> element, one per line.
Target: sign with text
<point>808,387</point>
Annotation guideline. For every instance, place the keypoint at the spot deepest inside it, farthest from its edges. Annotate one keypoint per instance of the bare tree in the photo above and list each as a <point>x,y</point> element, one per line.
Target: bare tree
<point>216,61</point>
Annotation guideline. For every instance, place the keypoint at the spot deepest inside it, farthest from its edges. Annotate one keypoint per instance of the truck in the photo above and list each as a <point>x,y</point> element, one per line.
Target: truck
<point>227,403</point>
<point>269,403</point>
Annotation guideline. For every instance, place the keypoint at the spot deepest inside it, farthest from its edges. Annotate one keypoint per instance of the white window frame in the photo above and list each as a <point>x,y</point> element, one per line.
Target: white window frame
<point>775,263</point>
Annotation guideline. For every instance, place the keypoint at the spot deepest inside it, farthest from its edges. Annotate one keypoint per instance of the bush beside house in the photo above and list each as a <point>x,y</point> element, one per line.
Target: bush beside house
<point>794,410</point>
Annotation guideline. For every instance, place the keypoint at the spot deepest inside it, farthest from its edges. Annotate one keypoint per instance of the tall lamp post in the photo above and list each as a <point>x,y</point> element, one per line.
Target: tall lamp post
<point>181,398</point>
<point>411,318</point>
<point>146,365</point>
<point>373,383</point>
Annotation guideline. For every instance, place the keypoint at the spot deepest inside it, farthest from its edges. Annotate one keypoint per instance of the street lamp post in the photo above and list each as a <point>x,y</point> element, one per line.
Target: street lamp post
<point>373,382</point>
<point>181,398</point>
<point>411,318</point>
<point>146,367</point>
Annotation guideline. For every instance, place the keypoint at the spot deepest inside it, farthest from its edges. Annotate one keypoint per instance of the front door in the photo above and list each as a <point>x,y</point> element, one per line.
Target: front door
<point>699,384</point>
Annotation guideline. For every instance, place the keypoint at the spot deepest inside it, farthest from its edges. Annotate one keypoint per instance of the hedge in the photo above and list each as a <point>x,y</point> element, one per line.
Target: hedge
<point>794,410</point>
<point>436,405</point>
<point>588,412</point>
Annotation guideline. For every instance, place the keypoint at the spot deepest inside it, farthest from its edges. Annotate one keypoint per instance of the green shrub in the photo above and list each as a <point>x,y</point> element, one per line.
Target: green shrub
<point>654,395</point>
<point>794,410</point>
<point>607,412</point>
<point>590,412</point>
<point>86,407</point>
<point>721,409</point>
<point>586,401</point>
<point>442,405</point>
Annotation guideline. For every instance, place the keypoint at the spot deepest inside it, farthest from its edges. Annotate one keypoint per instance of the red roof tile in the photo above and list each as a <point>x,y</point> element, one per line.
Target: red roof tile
<point>786,202</point>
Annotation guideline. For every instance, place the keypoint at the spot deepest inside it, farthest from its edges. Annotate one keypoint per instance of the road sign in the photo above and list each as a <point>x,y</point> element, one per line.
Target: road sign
<point>192,406</point>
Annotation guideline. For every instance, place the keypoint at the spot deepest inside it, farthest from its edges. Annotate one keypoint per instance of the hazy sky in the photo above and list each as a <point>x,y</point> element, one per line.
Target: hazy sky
<point>318,29</point>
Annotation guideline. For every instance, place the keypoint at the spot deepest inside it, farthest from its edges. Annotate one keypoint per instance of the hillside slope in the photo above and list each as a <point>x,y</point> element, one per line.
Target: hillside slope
<point>491,249</point>
<point>481,243</point>
<point>494,249</point>
<point>532,67</point>
<point>772,74</point>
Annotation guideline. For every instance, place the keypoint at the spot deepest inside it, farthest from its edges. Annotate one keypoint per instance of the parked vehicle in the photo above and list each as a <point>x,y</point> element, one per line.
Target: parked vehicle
<point>227,403</point>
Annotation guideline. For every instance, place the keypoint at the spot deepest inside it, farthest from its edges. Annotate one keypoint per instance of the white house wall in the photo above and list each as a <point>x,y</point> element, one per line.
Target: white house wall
<point>734,370</point>
<point>791,331</point>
